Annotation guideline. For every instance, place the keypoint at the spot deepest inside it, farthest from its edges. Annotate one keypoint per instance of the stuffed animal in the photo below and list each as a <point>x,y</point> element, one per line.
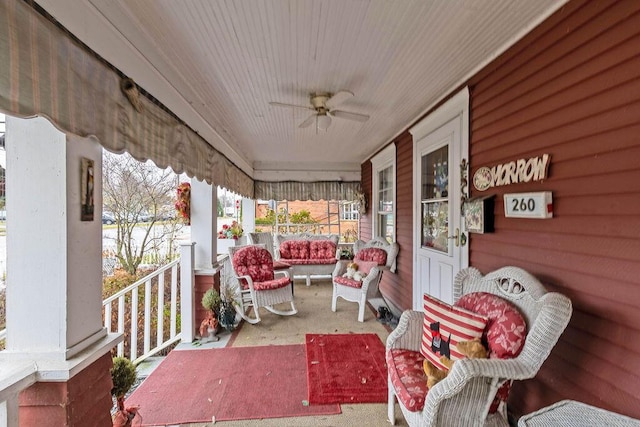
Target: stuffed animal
<point>352,269</point>
<point>359,276</point>
<point>470,349</point>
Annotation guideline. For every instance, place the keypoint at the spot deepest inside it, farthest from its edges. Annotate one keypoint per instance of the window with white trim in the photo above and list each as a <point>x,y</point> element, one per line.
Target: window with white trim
<point>349,211</point>
<point>384,194</point>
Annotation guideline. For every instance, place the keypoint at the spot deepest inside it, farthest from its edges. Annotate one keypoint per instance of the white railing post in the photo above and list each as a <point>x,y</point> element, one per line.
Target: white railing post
<point>174,301</point>
<point>187,281</point>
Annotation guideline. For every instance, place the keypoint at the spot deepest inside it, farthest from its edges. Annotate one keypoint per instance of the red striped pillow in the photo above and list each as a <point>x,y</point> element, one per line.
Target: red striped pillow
<point>444,326</point>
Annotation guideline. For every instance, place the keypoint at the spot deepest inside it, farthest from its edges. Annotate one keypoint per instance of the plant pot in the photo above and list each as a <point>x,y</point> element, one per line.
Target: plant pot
<point>225,244</point>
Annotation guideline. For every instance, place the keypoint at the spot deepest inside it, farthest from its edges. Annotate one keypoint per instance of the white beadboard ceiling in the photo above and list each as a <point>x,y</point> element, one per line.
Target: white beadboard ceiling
<point>217,64</point>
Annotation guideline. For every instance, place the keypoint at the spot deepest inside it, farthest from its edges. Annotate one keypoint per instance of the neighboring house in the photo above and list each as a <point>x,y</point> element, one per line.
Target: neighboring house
<point>570,88</point>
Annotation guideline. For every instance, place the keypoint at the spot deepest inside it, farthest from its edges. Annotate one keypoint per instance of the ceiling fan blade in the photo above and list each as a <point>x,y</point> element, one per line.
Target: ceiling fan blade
<point>280,104</point>
<point>338,98</point>
<point>308,121</point>
<point>349,116</point>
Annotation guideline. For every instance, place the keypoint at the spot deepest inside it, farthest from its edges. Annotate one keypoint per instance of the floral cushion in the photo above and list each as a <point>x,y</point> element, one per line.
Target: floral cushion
<point>348,282</point>
<point>255,262</point>
<point>372,254</point>
<point>505,333</point>
<point>294,249</point>
<point>277,283</point>
<point>408,377</point>
<point>506,328</point>
<point>366,266</point>
<point>444,326</point>
<point>309,261</point>
<point>322,249</point>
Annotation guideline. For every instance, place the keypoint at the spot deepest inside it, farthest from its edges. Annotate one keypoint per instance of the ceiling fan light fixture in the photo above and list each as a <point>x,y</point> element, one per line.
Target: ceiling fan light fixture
<point>323,122</point>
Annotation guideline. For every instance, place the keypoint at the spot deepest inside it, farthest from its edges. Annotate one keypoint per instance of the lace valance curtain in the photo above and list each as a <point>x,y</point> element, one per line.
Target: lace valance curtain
<point>44,72</point>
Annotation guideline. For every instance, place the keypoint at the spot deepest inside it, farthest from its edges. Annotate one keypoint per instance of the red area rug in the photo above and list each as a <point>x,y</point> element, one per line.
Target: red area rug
<point>234,383</point>
<point>346,368</point>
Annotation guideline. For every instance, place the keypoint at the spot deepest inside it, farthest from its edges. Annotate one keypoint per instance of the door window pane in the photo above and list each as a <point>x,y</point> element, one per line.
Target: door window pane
<point>434,176</point>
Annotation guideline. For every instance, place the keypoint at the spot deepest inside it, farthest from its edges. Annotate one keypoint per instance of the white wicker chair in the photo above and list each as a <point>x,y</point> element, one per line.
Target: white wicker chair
<point>370,285</point>
<point>252,294</point>
<point>463,398</point>
<point>265,239</point>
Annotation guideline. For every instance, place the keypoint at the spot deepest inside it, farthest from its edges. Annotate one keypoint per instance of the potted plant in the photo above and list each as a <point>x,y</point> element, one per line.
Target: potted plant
<point>210,301</point>
<point>123,376</point>
<point>227,311</point>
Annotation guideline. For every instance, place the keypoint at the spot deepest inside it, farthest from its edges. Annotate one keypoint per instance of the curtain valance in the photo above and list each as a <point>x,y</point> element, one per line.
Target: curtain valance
<point>294,190</point>
<point>44,71</point>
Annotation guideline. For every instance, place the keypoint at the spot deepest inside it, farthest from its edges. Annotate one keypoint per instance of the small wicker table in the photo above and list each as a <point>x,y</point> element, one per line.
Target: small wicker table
<point>571,413</point>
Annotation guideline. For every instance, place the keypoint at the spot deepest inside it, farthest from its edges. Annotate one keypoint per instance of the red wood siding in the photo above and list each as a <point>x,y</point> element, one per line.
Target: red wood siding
<point>570,88</point>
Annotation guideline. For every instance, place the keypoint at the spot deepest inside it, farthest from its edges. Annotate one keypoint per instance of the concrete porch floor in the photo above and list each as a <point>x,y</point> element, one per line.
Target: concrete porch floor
<point>314,316</point>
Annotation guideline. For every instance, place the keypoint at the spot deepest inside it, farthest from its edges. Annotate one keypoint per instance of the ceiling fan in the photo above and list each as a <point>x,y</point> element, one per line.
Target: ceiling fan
<point>323,106</point>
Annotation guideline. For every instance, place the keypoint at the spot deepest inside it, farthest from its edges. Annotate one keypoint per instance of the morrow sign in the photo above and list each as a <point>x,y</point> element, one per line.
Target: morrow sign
<point>521,170</point>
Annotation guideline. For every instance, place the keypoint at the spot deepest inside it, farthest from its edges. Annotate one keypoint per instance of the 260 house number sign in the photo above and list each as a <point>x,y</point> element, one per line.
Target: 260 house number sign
<point>528,205</point>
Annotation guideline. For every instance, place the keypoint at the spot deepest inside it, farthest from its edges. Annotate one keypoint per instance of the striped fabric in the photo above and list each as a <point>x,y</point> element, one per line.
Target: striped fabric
<point>44,72</point>
<point>295,190</point>
<point>444,326</point>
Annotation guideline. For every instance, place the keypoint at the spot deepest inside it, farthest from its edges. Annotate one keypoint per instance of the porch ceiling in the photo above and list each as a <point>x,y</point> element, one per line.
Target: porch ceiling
<point>217,64</point>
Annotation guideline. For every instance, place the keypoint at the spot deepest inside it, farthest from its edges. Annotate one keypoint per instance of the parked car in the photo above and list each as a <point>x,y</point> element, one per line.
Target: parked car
<point>108,218</point>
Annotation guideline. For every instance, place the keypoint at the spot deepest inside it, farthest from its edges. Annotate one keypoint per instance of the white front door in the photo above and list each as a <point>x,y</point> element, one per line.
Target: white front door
<point>440,243</point>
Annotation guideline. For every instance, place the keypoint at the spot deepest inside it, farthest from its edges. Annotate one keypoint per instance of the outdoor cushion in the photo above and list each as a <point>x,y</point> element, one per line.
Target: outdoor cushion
<point>444,326</point>
<point>372,254</point>
<point>309,261</point>
<point>294,249</point>
<point>408,377</point>
<point>366,266</point>
<point>255,262</point>
<point>348,282</point>
<point>277,283</point>
<point>506,328</point>
<point>322,249</point>
<point>505,332</point>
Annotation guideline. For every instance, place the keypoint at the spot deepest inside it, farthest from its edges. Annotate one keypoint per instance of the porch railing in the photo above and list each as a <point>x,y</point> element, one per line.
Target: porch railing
<point>150,303</point>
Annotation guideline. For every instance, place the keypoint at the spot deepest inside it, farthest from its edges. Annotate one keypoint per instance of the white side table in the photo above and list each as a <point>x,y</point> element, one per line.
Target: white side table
<point>571,413</point>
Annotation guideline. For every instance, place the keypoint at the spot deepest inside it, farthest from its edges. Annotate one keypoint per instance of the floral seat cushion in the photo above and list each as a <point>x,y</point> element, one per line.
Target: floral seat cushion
<point>408,378</point>
<point>322,249</point>
<point>257,263</point>
<point>372,254</point>
<point>505,332</point>
<point>345,281</point>
<point>294,249</point>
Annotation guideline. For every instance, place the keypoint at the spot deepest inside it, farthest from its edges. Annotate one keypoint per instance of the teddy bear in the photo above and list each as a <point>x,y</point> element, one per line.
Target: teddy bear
<point>352,269</point>
<point>470,349</point>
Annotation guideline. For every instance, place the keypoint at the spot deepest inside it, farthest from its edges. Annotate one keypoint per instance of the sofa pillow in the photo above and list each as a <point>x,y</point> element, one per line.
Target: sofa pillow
<point>372,254</point>
<point>294,249</point>
<point>366,266</point>
<point>444,326</point>
<point>322,249</point>
<point>506,328</point>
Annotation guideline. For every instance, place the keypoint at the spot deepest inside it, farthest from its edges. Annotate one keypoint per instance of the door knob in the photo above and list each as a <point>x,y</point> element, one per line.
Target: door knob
<point>456,237</point>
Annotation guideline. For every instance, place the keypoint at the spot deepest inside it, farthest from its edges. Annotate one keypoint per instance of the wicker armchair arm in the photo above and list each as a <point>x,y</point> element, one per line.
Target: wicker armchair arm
<point>340,268</point>
<point>284,273</point>
<point>408,333</point>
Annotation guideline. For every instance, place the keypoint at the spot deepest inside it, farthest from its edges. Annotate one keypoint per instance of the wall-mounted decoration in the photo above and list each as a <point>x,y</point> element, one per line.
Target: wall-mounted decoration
<point>183,202</point>
<point>86,189</point>
<point>522,170</point>
<point>478,214</point>
<point>529,205</point>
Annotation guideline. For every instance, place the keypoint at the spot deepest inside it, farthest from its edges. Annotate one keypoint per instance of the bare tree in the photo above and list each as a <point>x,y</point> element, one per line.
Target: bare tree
<point>138,195</point>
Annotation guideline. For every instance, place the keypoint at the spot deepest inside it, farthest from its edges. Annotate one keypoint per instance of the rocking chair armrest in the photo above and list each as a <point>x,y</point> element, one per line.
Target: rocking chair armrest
<point>247,278</point>
<point>408,333</point>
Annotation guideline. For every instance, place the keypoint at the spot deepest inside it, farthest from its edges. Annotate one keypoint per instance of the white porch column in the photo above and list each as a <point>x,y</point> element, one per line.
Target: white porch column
<point>54,270</point>
<point>248,215</point>
<point>187,293</point>
<point>204,218</point>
